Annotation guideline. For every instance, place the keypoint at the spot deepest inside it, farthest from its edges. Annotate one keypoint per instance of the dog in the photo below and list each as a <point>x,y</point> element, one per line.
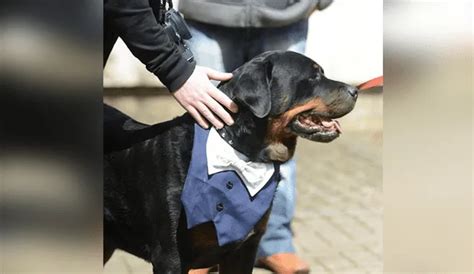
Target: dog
<point>280,95</point>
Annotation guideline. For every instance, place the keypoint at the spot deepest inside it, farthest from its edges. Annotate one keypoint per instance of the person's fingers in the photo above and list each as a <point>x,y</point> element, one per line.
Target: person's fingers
<point>195,114</point>
<point>218,110</point>
<point>223,99</point>
<point>217,75</point>
<point>204,111</point>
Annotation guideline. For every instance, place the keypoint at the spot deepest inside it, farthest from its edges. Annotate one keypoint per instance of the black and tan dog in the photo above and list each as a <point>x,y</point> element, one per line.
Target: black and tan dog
<point>281,95</point>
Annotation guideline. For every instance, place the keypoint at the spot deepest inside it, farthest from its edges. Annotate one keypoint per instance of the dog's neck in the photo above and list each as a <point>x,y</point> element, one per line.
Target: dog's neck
<point>247,135</point>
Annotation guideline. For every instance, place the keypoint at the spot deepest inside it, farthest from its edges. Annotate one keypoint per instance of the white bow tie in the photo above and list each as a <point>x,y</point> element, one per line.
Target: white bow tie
<point>222,157</point>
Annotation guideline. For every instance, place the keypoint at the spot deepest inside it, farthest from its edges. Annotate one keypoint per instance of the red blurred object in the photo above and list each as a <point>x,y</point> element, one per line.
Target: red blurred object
<point>376,82</point>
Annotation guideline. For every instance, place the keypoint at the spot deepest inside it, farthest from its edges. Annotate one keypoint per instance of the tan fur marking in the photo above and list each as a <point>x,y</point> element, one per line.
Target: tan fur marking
<point>278,152</point>
<point>281,141</point>
<point>316,104</point>
<point>203,236</point>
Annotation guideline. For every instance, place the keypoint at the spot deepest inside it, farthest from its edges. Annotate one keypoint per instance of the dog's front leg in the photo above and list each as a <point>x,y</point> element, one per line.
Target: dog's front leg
<point>241,261</point>
<point>166,262</point>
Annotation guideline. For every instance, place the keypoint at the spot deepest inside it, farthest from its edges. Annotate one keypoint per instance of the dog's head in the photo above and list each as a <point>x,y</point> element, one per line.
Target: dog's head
<point>282,95</point>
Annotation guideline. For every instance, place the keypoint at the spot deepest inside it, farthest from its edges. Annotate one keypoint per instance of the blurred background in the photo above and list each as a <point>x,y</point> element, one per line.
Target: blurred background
<point>51,136</point>
<point>428,183</point>
<point>338,221</point>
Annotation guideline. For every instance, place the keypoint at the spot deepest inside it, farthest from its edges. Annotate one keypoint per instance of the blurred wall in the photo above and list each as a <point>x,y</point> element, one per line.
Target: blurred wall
<point>346,39</point>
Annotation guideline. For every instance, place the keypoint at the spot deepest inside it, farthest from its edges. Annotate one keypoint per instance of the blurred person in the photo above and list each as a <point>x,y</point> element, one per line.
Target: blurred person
<point>227,34</point>
<point>135,23</point>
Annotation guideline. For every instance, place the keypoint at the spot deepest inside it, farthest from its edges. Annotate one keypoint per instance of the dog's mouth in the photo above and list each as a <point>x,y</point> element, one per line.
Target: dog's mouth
<point>315,127</point>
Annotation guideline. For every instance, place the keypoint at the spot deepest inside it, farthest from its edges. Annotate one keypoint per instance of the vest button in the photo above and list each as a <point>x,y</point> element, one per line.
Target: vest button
<point>219,207</point>
<point>230,185</point>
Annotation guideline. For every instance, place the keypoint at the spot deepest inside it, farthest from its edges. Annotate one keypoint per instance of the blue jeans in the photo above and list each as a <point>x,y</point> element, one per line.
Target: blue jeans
<point>225,49</point>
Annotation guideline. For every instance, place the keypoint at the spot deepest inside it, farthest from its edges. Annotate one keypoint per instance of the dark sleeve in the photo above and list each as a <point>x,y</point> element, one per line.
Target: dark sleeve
<point>135,23</point>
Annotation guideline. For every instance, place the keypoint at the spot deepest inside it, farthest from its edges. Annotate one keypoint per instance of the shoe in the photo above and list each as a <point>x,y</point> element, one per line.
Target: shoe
<point>199,271</point>
<point>213,269</point>
<point>284,263</point>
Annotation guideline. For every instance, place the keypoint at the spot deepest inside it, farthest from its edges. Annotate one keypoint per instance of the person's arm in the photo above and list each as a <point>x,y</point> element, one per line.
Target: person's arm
<point>135,23</point>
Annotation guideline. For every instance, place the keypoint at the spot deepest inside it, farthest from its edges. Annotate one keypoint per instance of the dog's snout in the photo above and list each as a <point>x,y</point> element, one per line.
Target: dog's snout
<point>353,91</point>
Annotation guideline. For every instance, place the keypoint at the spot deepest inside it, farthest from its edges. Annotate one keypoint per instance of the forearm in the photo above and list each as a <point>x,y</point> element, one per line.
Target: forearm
<point>135,23</point>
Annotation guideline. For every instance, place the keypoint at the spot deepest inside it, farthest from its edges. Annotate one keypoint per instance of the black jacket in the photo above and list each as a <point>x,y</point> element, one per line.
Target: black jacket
<point>134,22</point>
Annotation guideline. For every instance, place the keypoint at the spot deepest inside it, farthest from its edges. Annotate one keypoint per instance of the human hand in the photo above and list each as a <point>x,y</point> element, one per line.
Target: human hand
<point>201,98</point>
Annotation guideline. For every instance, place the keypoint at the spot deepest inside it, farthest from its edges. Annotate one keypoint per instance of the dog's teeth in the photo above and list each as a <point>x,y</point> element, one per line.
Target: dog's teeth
<point>307,120</point>
<point>327,123</point>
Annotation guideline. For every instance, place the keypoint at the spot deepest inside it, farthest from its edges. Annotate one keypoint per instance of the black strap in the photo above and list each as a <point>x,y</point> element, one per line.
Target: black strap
<point>159,9</point>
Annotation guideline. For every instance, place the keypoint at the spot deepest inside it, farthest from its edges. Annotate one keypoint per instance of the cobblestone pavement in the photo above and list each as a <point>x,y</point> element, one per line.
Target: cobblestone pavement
<point>338,222</point>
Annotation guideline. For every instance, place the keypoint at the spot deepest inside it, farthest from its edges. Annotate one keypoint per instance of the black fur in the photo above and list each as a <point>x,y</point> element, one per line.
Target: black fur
<point>145,166</point>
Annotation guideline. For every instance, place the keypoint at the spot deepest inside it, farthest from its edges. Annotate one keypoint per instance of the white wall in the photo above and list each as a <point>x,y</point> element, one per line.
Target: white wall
<point>346,39</point>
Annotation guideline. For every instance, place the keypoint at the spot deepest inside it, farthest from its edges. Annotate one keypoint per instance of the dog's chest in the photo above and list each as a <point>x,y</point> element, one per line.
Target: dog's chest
<point>222,198</point>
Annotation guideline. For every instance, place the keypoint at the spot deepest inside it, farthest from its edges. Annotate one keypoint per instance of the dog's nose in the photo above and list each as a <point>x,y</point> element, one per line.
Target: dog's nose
<point>353,91</point>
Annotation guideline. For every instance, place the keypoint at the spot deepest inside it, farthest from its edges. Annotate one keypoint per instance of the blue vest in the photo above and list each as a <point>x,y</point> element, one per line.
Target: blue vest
<point>222,197</point>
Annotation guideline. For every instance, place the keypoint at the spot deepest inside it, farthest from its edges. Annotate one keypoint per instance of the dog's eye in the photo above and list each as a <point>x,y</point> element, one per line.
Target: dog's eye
<point>316,77</point>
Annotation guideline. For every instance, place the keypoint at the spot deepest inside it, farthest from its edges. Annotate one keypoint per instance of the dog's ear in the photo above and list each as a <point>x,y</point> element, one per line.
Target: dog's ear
<point>251,85</point>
